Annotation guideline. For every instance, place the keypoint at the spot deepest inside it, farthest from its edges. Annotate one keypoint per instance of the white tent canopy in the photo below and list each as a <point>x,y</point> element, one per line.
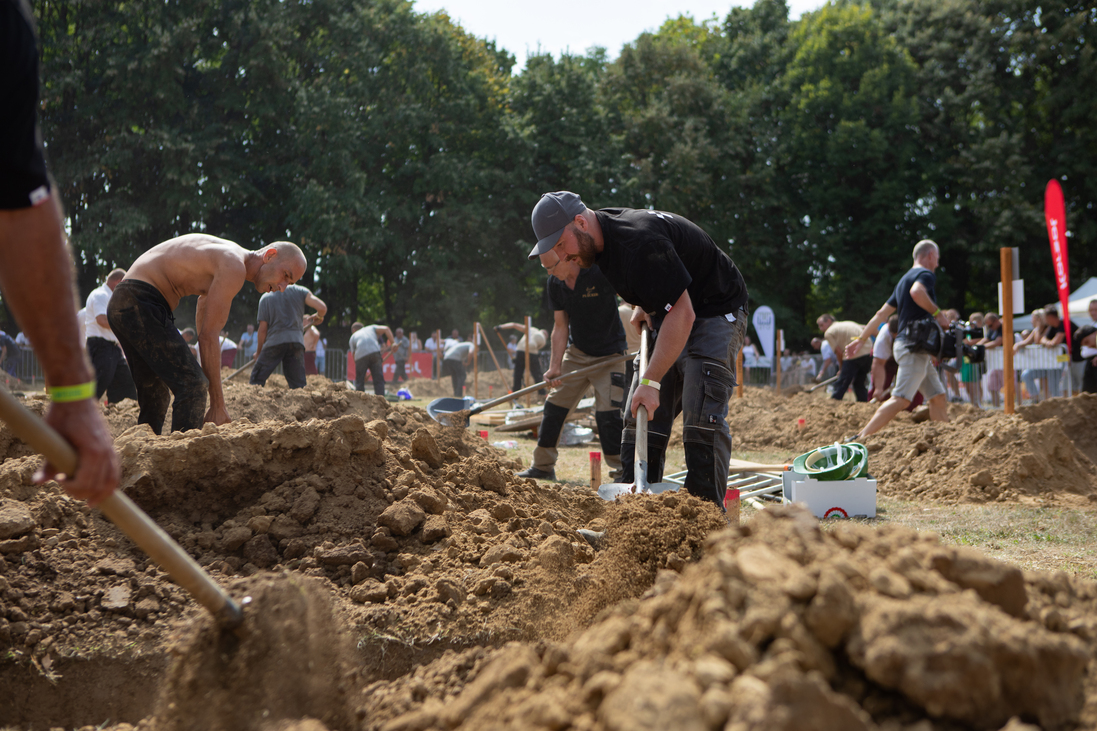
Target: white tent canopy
<point>1079,307</point>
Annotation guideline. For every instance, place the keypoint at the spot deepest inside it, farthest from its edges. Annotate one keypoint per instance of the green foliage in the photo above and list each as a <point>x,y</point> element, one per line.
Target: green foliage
<point>404,155</point>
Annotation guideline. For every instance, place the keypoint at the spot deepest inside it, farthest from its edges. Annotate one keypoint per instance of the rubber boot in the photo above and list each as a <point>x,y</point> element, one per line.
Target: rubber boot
<point>552,424</point>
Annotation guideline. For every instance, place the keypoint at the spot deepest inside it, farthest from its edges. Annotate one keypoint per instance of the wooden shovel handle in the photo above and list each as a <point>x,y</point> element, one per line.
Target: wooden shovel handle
<point>122,511</point>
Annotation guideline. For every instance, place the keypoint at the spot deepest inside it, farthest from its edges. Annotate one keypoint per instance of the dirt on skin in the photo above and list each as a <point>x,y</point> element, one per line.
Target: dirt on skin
<point>403,577</point>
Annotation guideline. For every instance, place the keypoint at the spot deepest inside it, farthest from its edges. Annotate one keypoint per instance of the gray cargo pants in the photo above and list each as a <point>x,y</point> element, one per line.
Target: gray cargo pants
<point>698,386</point>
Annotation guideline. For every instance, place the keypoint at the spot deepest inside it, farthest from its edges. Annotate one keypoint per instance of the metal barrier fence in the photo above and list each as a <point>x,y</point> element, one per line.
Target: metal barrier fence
<point>1039,373</point>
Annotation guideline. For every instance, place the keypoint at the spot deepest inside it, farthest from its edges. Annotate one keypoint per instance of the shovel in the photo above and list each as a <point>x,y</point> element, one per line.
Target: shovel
<point>827,382</point>
<point>241,369</point>
<point>122,511</point>
<point>611,490</point>
<point>449,411</point>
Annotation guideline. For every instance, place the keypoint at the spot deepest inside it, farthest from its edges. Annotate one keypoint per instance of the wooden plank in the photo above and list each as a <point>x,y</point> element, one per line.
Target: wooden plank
<point>741,465</point>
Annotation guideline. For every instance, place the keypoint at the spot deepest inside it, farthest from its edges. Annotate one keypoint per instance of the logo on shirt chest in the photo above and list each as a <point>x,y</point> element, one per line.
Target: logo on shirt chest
<point>591,292</point>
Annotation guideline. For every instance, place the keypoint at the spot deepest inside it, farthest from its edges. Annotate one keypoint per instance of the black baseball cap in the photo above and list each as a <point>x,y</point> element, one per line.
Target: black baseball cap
<point>551,216</point>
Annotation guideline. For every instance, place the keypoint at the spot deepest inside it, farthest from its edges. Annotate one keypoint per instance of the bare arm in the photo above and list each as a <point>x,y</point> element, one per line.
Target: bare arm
<point>673,336</point>
<point>920,295</point>
<point>321,310</point>
<point>37,278</point>
<point>211,315</point>
<point>873,325</point>
<point>559,341</point>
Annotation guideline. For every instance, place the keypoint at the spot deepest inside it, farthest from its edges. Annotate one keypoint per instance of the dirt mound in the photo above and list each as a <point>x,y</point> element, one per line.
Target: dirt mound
<point>457,588</point>
<point>422,533</point>
<point>1042,454</point>
<point>783,626</point>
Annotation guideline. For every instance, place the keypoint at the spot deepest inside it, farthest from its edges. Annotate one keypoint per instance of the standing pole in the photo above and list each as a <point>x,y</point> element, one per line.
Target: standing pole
<point>778,349</point>
<point>476,360</point>
<point>1007,327</point>
<point>436,356</point>
<point>528,380</point>
<point>506,386</point>
<point>739,373</point>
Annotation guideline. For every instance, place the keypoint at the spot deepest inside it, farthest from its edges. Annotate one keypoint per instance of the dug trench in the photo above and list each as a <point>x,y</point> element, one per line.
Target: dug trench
<point>402,577</point>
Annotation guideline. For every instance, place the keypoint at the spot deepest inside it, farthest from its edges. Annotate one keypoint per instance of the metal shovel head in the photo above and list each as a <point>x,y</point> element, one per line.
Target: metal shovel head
<point>612,490</point>
<point>444,410</point>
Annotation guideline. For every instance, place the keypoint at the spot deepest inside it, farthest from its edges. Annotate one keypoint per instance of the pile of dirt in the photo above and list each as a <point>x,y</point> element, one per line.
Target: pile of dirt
<point>1042,454</point>
<point>433,588</point>
<point>422,533</point>
<point>784,626</point>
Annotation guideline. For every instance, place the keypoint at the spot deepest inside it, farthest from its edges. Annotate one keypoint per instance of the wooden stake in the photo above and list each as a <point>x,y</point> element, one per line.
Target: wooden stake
<point>506,386</point>
<point>780,344</point>
<point>739,374</point>
<point>476,360</point>
<point>1007,327</point>
<point>528,375</point>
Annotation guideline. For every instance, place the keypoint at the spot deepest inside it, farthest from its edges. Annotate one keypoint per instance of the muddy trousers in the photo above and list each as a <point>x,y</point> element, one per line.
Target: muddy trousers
<point>374,365</point>
<point>292,358</point>
<point>455,369</point>
<point>160,360</point>
<point>112,373</point>
<point>698,386</point>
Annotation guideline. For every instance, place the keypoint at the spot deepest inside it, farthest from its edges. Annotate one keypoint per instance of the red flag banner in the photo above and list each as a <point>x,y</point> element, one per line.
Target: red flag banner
<point>1055,214</point>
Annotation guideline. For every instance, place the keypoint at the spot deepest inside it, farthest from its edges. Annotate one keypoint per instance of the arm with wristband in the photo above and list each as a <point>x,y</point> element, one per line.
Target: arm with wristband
<point>36,275</point>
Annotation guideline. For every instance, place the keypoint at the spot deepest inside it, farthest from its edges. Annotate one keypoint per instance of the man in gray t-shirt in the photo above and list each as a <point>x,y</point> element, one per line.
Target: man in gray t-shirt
<point>282,323</point>
<point>456,356</point>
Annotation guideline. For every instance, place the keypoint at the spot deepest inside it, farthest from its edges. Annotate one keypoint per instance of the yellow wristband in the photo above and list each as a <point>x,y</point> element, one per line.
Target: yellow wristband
<point>649,382</point>
<point>68,394</point>
<point>936,312</point>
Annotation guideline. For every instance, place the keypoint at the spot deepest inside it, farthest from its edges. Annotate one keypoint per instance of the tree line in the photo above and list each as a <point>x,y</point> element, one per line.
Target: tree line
<point>404,155</point>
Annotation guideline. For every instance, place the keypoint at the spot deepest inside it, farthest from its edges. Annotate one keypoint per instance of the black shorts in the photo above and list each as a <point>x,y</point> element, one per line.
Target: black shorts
<point>23,179</point>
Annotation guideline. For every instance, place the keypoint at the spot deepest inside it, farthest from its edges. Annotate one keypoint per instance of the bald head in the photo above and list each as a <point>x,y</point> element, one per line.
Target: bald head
<point>283,263</point>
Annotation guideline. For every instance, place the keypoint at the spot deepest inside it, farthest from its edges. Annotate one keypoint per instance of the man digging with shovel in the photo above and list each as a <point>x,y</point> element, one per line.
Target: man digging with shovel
<point>586,330</point>
<point>688,290</point>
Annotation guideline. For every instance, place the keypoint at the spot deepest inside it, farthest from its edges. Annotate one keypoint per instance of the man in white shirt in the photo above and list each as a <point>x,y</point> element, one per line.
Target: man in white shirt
<point>112,373</point>
<point>365,344</point>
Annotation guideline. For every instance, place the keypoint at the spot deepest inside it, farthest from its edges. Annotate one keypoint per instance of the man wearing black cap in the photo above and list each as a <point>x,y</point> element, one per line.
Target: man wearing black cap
<point>692,294</point>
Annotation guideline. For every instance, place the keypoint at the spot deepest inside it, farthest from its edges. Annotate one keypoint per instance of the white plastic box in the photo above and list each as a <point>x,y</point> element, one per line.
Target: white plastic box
<point>854,498</point>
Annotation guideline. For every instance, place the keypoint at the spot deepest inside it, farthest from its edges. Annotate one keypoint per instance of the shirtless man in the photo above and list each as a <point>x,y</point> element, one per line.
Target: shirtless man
<point>140,313</point>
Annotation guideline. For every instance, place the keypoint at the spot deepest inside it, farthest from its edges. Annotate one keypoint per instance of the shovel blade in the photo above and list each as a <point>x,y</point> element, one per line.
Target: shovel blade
<point>613,490</point>
<point>443,410</point>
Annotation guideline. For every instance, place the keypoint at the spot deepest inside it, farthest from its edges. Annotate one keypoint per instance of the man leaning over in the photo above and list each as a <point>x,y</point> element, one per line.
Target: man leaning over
<point>693,294</point>
<point>282,324</point>
<point>140,314</point>
<point>852,371</point>
<point>587,330</point>
<point>112,373</point>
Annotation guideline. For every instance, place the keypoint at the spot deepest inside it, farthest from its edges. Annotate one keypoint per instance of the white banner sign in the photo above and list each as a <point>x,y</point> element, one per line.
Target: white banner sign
<point>764,324</point>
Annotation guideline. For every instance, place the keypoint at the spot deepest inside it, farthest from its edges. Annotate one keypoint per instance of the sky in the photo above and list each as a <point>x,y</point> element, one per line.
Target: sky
<point>522,27</point>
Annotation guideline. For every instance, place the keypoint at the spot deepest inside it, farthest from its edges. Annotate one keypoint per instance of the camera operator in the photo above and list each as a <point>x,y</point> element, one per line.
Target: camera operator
<point>914,299</point>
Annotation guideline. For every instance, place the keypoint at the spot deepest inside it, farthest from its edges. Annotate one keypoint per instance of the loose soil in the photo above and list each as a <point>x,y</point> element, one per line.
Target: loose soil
<point>399,575</point>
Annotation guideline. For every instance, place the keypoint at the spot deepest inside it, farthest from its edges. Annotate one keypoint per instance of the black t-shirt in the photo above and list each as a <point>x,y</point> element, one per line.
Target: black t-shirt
<point>594,326</point>
<point>909,310</point>
<point>23,179</point>
<point>994,333</point>
<point>651,257</point>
